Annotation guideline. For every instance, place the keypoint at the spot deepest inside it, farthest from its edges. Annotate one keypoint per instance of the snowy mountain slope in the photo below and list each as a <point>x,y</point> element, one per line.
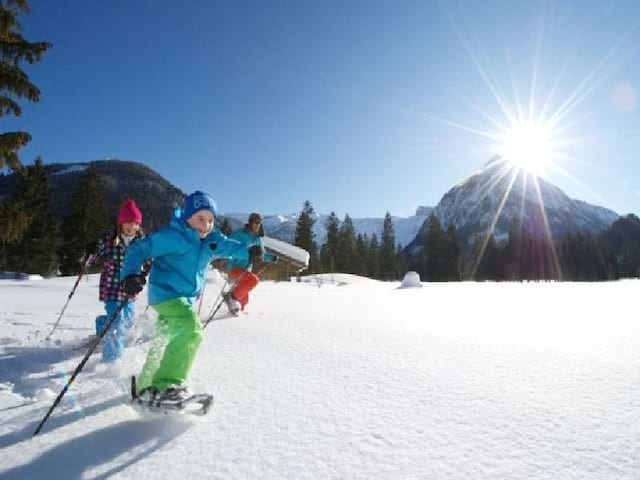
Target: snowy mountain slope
<point>472,206</point>
<point>283,227</point>
<point>356,379</point>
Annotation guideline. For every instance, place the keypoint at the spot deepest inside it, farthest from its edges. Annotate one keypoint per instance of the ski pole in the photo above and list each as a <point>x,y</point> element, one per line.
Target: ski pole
<point>204,287</point>
<point>231,288</point>
<point>261,271</point>
<point>82,363</point>
<point>222,295</point>
<point>85,264</point>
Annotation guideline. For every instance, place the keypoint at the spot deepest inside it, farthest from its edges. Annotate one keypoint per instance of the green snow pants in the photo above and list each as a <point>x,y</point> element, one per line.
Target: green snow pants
<point>172,353</point>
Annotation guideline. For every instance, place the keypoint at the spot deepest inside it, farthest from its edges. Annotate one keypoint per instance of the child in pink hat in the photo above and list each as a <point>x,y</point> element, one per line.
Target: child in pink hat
<point>110,250</point>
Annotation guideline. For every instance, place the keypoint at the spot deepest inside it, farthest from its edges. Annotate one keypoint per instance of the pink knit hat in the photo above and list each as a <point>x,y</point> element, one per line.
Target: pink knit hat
<point>129,212</point>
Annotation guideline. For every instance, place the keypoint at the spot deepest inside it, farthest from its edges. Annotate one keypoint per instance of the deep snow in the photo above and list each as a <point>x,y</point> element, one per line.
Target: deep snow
<point>340,377</point>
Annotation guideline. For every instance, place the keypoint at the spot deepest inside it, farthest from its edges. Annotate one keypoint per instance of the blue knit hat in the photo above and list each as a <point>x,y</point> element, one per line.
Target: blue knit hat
<point>199,201</point>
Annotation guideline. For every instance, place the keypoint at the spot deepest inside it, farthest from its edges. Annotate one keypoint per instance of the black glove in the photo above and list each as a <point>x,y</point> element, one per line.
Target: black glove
<point>255,253</point>
<point>132,285</point>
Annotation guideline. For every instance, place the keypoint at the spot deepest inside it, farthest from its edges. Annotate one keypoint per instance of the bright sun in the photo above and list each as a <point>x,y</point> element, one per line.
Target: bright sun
<point>529,147</point>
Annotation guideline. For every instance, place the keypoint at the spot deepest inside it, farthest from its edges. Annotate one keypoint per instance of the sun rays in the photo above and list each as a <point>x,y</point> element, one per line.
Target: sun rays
<point>532,129</point>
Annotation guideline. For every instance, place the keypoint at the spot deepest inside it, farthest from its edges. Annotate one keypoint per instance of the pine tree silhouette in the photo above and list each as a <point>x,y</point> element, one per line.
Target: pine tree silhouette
<point>85,223</point>
<point>36,251</point>
<point>15,85</point>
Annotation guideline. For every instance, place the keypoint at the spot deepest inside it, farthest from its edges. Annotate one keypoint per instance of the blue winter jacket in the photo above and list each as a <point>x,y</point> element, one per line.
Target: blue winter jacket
<point>180,259</point>
<point>248,239</point>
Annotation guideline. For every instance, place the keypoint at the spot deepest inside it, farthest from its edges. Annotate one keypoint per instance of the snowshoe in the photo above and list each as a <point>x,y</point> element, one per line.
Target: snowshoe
<point>233,305</point>
<point>171,400</point>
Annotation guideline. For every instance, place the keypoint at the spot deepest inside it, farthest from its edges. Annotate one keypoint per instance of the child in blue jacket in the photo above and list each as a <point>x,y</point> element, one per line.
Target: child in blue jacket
<point>181,254</point>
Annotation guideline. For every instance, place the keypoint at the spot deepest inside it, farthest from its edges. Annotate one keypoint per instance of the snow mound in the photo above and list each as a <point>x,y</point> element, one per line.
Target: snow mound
<point>411,280</point>
<point>19,276</point>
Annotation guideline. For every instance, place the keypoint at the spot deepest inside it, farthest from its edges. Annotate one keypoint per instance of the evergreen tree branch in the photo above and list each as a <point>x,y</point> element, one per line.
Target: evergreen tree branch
<point>10,142</point>
<point>15,221</point>
<point>15,81</point>
<point>8,106</point>
<point>22,4</point>
<point>14,47</point>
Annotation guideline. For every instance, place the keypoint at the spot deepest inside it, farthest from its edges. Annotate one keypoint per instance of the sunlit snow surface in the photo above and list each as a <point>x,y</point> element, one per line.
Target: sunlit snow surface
<point>344,378</point>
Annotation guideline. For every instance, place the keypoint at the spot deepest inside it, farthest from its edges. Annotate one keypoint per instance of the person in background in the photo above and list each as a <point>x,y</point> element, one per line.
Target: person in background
<point>250,235</point>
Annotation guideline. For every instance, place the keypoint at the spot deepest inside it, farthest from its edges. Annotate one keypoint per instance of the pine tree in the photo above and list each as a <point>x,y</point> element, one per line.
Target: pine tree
<point>15,220</point>
<point>14,82</point>
<point>329,250</point>
<point>402,263</point>
<point>512,257</point>
<point>388,265</point>
<point>373,257</point>
<point>418,261</point>
<point>346,260</point>
<point>583,258</point>
<point>304,237</point>
<point>362,254</point>
<point>15,85</point>
<point>85,223</point>
<point>452,255</point>
<point>621,246</point>
<point>436,251</point>
<point>486,259</point>
<point>36,251</point>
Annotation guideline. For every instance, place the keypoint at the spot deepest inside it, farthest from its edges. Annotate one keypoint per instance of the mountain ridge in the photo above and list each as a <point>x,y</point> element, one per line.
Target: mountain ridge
<point>156,196</point>
<point>498,195</point>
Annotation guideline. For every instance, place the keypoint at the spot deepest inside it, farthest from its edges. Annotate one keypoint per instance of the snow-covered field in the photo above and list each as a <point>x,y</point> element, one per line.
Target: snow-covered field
<point>343,378</point>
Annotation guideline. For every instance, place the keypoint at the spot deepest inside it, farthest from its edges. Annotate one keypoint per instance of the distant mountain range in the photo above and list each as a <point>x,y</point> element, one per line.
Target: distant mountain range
<point>471,206</point>
<point>283,227</point>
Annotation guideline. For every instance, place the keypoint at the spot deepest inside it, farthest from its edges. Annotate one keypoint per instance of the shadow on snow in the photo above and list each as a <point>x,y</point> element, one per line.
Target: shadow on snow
<point>132,440</point>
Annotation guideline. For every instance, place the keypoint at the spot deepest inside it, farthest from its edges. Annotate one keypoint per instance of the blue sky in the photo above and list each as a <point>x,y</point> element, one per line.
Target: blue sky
<point>359,106</point>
